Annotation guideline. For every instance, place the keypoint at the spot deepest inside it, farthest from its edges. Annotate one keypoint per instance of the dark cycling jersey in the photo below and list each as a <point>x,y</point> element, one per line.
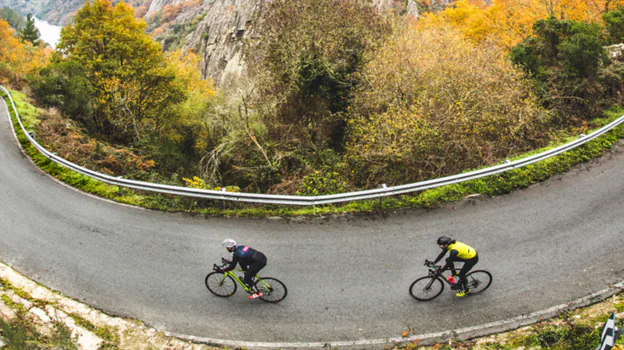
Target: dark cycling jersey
<point>246,256</point>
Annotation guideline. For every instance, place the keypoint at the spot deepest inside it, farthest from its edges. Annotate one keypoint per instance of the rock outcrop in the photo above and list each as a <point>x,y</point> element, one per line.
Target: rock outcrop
<point>219,35</point>
<point>157,5</point>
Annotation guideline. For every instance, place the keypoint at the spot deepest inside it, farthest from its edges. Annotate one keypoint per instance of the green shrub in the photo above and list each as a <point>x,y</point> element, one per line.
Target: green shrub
<point>319,183</point>
<point>565,59</point>
<point>307,59</point>
<point>64,85</point>
<point>614,24</point>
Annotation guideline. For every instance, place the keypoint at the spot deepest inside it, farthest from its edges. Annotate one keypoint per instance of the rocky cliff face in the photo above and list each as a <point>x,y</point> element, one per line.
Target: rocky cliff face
<point>157,5</point>
<point>225,24</point>
<point>218,36</point>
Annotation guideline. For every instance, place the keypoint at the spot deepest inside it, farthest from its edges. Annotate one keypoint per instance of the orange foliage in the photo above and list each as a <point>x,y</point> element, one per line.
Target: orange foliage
<point>507,22</point>
<point>18,59</point>
<point>187,66</point>
<point>140,11</point>
<point>171,12</point>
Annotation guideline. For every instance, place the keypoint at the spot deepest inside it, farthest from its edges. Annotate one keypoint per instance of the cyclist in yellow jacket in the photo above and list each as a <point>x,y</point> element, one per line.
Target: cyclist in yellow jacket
<point>458,251</point>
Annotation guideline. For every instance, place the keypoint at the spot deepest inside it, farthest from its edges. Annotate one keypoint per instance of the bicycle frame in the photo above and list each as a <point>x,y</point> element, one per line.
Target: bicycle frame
<point>437,272</point>
<point>232,274</point>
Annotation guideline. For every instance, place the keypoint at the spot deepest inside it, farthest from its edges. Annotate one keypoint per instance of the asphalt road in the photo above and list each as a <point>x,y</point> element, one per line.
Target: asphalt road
<point>348,279</point>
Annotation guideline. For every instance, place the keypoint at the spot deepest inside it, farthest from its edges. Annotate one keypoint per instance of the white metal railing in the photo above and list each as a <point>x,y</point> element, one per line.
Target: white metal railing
<point>313,200</point>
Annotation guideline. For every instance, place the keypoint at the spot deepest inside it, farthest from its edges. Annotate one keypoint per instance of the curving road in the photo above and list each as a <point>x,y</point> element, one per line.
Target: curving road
<point>347,278</point>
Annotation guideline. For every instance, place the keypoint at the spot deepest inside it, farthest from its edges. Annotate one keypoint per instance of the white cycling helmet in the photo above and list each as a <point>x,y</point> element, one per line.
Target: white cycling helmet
<point>229,243</point>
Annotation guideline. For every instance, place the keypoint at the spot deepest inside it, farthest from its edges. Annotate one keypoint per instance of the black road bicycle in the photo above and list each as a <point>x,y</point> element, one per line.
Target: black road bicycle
<point>223,284</point>
<point>431,286</point>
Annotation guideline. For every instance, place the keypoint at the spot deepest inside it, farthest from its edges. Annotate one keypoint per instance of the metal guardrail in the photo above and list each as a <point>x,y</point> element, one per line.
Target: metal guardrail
<point>313,200</point>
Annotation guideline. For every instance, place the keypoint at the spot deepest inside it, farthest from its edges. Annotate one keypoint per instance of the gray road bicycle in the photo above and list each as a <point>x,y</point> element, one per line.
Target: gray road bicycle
<point>431,286</point>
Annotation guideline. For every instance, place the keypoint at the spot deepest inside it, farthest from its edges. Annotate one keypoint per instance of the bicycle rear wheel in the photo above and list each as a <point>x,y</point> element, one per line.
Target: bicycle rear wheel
<point>426,288</point>
<point>220,285</point>
<point>478,281</point>
<point>272,289</point>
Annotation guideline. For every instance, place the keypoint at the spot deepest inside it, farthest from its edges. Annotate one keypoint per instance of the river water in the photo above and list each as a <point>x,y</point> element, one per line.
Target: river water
<point>48,32</point>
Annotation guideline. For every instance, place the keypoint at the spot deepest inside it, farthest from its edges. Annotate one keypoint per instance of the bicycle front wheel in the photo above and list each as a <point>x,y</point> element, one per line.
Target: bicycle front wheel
<point>272,289</point>
<point>220,285</point>
<point>426,288</point>
<point>478,281</point>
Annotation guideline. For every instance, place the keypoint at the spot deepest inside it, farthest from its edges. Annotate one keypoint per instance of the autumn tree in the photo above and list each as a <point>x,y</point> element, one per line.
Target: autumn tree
<point>17,60</point>
<point>187,130</point>
<point>132,83</point>
<point>435,104</point>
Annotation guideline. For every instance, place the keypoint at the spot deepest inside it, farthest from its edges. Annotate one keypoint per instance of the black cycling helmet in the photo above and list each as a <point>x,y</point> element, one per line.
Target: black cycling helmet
<point>444,240</point>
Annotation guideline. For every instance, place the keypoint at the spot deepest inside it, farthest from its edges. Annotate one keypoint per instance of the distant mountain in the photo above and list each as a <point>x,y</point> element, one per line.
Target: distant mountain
<point>53,11</point>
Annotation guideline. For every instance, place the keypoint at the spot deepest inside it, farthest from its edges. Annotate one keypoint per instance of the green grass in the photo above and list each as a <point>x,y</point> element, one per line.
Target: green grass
<point>492,185</point>
<point>21,333</point>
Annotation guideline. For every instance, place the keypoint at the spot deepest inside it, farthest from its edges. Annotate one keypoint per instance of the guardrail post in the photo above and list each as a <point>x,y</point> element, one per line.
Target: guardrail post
<point>223,189</point>
<point>380,198</point>
<point>121,189</point>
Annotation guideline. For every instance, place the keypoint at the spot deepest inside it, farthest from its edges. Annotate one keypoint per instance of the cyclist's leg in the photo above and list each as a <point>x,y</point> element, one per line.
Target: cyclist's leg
<point>468,265</point>
<point>253,270</point>
<point>450,266</point>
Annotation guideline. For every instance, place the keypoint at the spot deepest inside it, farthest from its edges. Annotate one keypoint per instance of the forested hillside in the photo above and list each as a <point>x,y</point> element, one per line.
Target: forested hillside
<point>334,96</point>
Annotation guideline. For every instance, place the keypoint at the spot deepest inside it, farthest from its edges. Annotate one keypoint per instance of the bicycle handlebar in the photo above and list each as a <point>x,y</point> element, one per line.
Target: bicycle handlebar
<point>432,265</point>
<point>224,261</point>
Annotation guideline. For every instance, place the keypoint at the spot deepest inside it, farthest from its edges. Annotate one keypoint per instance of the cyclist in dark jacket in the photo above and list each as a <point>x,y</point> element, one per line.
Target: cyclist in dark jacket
<point>250,260</point>
<point>458,251</point>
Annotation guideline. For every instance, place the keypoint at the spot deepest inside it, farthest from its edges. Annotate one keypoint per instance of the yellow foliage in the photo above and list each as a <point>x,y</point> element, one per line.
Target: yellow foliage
<point>18,59</point>
<point>436,104</point>
<point>200,95</point>
<point>507,22</point>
